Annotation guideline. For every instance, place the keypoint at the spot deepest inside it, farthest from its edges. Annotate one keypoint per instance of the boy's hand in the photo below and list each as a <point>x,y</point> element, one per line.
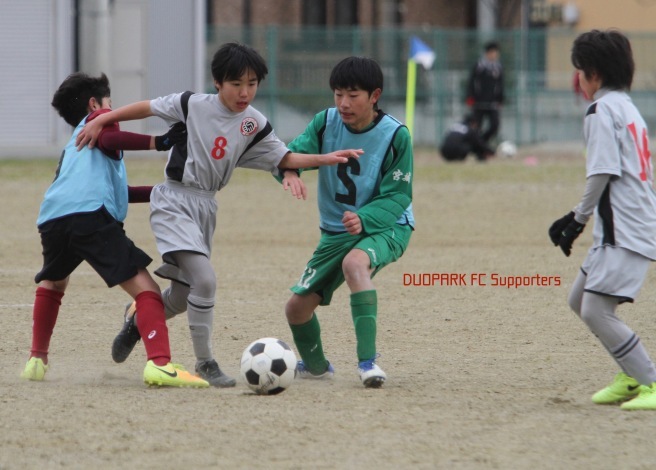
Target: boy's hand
<point>292,181</point>
<point>352,223</point>
<point>177,134</point>
<point>89,133</point>
<point>339,156</point>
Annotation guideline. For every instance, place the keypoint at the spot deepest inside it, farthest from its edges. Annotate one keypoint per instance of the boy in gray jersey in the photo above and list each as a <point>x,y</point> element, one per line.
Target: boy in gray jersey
<point>619,189</point>
<point>224,132</point>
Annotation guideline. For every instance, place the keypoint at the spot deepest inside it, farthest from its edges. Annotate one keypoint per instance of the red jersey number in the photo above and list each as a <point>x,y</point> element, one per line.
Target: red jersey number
<point>643,151</point>
<point>218,152</point>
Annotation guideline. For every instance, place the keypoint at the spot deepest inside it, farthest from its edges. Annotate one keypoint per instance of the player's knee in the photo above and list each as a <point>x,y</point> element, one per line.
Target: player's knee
<point>292,309</point>
<point>296,311</point>
<point>142,282</point>
<point>57,286</point>
<point>596,319</point>
<point>355,264</point>
<point>174,304</point>
<point>204,285</point>
<point>591,319</point>
<point>149,284</point>
<point>574,302</point>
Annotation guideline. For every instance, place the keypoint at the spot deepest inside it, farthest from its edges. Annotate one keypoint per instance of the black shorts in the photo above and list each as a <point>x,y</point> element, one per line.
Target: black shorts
<point>94,237</point>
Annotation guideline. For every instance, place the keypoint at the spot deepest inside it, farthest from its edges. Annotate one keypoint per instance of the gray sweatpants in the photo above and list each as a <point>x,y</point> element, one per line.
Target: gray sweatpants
<point>598,313</point>
<point>197,298</point>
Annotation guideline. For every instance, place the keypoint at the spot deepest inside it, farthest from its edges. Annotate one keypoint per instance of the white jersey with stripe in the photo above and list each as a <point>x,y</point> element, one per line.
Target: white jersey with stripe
<point>616,139</point>
<point>219,140</point>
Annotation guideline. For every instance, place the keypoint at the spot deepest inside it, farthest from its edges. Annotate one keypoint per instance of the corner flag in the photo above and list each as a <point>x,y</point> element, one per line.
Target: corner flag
<point>424,55</point>
<point>421,53</point>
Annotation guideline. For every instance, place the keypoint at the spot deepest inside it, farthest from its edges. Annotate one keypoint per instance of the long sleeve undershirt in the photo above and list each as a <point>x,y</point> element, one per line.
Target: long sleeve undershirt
<point>111,141</point>
<point>594,187</point>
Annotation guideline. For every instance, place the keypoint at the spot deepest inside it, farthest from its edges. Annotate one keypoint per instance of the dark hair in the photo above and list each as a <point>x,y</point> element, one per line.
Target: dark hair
<point>607,54</point>
<point>71,100</point>
<point>232,60</point>
<point>491,46</point>
<point>360,73</point>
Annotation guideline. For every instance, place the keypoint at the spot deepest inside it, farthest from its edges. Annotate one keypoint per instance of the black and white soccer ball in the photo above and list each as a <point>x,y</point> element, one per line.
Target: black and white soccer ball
<point>268,365</point>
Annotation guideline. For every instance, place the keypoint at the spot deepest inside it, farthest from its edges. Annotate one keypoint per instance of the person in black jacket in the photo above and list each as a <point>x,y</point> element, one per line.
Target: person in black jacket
<point>485,91</point>
<point>463,138</point>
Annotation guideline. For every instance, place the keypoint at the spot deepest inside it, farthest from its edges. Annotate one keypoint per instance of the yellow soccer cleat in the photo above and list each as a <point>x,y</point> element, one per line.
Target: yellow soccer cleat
<point>35,369</point>
<point>171,376</point>
<point>646,399</point>
<point>621,389</point>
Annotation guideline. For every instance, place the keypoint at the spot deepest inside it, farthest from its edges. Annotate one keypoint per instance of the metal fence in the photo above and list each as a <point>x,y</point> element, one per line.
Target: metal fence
<point>540,104</point>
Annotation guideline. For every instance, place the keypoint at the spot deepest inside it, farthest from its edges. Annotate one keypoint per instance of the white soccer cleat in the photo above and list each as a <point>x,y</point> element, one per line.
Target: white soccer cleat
<point>371,374</point>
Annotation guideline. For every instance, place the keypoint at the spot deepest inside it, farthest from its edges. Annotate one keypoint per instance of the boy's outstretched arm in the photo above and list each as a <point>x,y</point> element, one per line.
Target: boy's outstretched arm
<point>137,194</point>
<point>298,160</point>
<point>113,139</point>
<point>89,134</point>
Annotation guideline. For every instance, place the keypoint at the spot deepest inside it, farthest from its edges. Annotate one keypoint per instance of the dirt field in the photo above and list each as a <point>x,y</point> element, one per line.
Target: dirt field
<point>480,377</point>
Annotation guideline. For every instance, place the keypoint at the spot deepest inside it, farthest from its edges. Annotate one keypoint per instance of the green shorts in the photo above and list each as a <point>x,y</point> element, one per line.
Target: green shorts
<point>323,273</point>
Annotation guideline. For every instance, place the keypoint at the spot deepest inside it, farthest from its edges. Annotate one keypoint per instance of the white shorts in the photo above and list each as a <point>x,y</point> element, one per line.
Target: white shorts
<point>182,218</point>
<point>615,272</point>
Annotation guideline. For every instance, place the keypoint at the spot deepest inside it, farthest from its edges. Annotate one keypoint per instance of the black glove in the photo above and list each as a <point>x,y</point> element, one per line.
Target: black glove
<point>177,134</point>
<point>556,229</point>
<point>569,234</point>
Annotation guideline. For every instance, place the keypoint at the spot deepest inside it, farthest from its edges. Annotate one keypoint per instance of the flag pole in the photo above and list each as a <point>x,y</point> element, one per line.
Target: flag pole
<point>410,95</point>
<point>421,53</point>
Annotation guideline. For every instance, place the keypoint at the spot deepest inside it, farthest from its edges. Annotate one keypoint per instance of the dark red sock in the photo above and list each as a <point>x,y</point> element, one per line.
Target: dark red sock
<point>151,323</point>
<point>44,317</point>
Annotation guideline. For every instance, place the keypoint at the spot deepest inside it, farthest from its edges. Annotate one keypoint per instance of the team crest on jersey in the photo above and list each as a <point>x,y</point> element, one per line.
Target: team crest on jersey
<point>248,126</point>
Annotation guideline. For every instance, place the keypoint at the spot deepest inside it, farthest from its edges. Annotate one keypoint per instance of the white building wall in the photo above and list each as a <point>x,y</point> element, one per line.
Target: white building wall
<point>158,48</point>
<point>36,53</point>
<point>146,47</point>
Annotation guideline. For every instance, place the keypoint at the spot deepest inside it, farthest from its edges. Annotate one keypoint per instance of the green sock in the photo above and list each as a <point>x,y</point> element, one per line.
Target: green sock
<point>364,307</point>
<point>307,338</point>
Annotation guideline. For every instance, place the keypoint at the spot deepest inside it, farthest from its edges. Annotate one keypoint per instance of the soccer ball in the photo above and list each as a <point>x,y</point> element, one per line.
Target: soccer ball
<point>268,365</point>
<point>507,149</point>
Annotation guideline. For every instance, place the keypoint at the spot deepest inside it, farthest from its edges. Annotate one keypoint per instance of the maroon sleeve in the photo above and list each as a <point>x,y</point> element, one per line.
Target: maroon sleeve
<point>112,140</point>
<point>139,193</point>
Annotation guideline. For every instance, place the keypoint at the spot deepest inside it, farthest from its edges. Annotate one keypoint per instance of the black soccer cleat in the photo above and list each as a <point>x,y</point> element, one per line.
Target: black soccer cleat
<point>128,337</point>
<point>212,373</point>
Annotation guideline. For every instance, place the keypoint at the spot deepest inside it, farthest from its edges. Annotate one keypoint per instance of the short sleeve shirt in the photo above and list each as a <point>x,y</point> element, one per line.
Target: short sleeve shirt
<point>220,140</point>
<point>616,139</point>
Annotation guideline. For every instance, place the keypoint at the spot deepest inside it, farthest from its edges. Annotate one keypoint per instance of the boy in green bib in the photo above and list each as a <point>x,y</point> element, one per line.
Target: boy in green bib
<point>366,217</point>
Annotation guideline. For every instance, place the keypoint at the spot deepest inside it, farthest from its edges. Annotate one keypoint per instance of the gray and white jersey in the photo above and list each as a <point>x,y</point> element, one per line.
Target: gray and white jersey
<point>218,141</point>
<point>616,139</point>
